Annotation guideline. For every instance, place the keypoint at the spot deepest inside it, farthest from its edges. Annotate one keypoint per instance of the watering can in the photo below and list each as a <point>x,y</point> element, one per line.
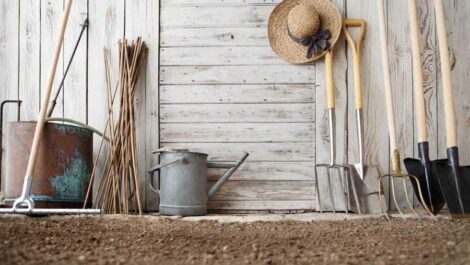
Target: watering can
<point>183,187</point>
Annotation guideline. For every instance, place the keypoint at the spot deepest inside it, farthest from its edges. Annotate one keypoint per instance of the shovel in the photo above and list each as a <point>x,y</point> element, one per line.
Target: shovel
<point>367,174</point>
<point>421,168</point>
<point>453,178</point>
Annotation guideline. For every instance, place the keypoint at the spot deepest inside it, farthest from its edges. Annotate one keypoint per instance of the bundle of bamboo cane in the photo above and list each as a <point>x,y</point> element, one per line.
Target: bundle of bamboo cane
<point>118,191</point>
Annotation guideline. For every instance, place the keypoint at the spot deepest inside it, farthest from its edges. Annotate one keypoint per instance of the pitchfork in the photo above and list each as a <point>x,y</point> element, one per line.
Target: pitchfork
<point>395,155</point>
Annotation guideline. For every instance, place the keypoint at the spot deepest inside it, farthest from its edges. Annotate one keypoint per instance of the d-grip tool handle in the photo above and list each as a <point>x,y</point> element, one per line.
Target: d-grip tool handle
<point>449,105</point>
<point>330,81</point>
<point>418,73</point>
<point>356,52</point>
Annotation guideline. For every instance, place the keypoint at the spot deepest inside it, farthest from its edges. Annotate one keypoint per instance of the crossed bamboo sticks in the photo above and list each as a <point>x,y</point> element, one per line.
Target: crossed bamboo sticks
<point>119,184</point>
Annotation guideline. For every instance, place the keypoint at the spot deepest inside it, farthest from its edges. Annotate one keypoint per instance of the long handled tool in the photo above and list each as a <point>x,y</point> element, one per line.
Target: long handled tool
<point>24,204</point>
<point>367,174</point>
<point>421,168</point>
<point>453,178</point>
<point>343,172</point>
<point>395,155</point>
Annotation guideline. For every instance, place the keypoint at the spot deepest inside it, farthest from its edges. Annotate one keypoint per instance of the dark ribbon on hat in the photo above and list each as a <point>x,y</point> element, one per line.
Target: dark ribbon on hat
<point>316,44</point>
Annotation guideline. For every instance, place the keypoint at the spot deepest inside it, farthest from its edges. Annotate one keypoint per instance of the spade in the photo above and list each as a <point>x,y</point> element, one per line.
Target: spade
<point>421,168</point>
<point>454,179</point>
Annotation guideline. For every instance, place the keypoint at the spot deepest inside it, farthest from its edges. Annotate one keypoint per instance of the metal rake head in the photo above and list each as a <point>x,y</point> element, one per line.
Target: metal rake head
<point>344,174</point>
<point>405,178</point>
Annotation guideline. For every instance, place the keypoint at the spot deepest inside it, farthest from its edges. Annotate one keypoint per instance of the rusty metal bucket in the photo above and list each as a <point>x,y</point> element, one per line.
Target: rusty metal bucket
<point>64,166</point>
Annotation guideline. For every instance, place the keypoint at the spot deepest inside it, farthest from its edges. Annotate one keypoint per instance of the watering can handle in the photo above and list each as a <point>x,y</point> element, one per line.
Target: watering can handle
<point>227,174</point>
<point>156,168</point>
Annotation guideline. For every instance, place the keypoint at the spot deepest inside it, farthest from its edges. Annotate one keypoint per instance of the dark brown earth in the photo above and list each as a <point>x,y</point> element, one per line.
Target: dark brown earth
<point>134,240</point>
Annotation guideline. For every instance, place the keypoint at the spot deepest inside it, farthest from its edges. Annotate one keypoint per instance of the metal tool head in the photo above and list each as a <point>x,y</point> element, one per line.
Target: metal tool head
<point>427,178</point>
<point>454,181</point>
<point>344,175</point>
<point>405,178</point>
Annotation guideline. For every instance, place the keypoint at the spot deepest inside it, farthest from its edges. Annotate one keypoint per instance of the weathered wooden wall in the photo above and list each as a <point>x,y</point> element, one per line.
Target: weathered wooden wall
<point>213,84</point>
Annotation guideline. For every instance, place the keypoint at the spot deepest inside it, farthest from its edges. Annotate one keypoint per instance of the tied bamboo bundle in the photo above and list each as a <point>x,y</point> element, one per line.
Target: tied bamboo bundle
<point>119,191</point>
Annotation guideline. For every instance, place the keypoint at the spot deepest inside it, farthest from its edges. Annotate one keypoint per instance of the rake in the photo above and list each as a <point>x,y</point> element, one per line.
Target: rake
<point>396,172</point>
<point>25,204</point>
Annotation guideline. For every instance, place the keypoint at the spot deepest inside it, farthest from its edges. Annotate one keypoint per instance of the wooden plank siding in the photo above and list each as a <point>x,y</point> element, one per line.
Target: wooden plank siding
<point>228,92</point>
<point>213,84</point>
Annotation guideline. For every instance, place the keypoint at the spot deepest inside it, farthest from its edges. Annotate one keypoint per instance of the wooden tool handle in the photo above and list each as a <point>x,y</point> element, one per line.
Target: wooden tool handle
<point>47,92</point>
<point>387,79</point>
<point>330,80</point>
<point>418,73</point>
<point>356,51</point>
<point>449,106</point>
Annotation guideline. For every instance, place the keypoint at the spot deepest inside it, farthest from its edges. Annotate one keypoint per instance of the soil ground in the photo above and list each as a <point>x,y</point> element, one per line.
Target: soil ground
<point>156,240</point>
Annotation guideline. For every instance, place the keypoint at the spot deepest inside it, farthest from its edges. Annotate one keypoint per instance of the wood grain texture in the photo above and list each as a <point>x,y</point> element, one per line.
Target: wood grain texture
<point>75,86</point>
<point>106,28</point>
<point>229,74</point>
<point>243,16</point>
<point>142,19</point>
<point>270,206</point>
<point>271,171</point>
<point>251,190</point>
<point>236,132</point>
<point>259,94</point>
<point>214,37</point>
<point>9,28</point>
<point>273,152</point>
<point>219,56</point>
<point>51,13</point>
<point>30,58</point>
<point>190,113</point>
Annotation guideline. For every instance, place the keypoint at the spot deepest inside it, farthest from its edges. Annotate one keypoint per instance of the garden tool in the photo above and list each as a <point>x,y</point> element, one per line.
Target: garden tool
<point>395,155</point>
<point>368,175</point>
<point>453,178</point>
<point>54,100</point>
<point>343,172</point>
<point>24,204</point>
<point>421,168</point>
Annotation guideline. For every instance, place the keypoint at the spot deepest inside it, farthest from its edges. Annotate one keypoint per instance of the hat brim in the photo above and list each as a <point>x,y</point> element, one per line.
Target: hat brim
<point>290,50</point>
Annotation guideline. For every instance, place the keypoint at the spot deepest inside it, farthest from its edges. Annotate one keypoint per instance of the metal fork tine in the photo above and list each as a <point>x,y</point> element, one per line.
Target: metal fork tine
<point>317,186</point>
<point>330,187</point>
<point>341,184</point>
<point>392,180</point>
<point>382,203</point>
<point>356,197</point>
<point>407,197</point>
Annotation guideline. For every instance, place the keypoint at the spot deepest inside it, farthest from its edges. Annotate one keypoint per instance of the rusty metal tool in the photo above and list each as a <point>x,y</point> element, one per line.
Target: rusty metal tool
<point>421,168</point>
<point>395,155</point>
<point>343,172</point>
<point>25,204</point>
<point>368,175</point>
<point>454,179</point>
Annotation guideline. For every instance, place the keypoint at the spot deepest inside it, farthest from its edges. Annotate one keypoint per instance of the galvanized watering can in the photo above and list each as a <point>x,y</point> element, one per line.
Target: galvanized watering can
<point>183,182</point>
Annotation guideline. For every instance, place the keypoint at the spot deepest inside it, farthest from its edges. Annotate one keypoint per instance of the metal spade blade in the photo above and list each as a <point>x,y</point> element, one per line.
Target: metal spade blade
<point>428,180</point>
<point>455,183</point>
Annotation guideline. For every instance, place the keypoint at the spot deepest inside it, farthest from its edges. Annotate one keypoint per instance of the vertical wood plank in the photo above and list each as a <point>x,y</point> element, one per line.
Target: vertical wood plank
<point>106,28</point>
<point>75,86</point>
<point>51,13</point>
<point>8,62</point>
<point>30,58</point>
<point>142,19</point>
<point>322,137</point>
<point>457,20</point>
<point>402,84</point>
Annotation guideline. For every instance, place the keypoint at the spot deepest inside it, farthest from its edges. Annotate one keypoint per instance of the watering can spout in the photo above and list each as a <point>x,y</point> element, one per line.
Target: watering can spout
<point>231,169</point>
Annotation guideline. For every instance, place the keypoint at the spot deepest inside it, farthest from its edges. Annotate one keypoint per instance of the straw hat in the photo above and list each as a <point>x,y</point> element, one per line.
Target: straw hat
<point>302,31</point>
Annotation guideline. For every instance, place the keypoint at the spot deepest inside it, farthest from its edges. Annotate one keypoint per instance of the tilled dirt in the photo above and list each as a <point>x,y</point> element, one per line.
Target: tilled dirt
<point>134,240</point>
